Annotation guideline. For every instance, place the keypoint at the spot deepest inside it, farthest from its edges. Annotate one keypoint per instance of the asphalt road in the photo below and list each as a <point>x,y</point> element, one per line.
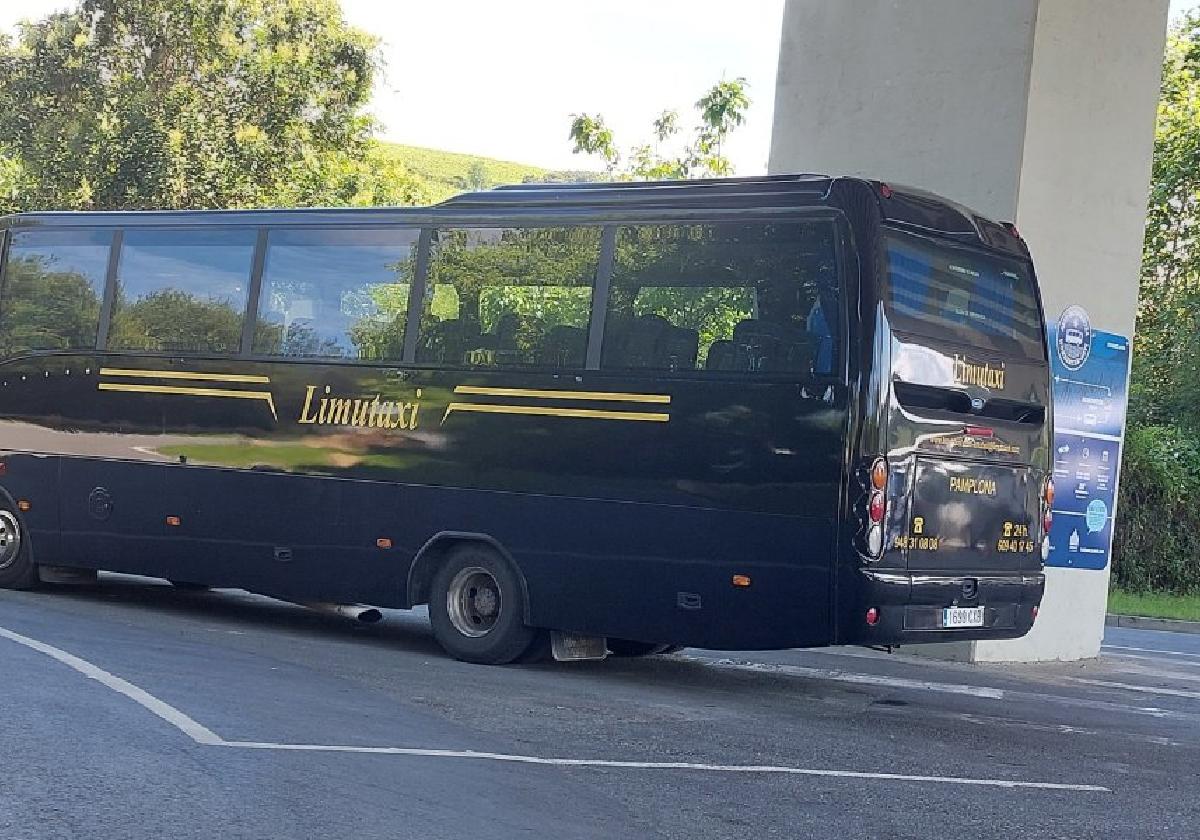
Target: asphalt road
<point>131,710</point>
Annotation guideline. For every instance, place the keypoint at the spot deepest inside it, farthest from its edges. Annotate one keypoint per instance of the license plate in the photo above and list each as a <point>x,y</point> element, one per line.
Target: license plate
<point>962,617</point>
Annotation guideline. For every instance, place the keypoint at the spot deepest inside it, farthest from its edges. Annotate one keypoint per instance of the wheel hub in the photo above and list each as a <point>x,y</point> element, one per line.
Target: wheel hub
<point>473,601</point>
<point>10,539</point>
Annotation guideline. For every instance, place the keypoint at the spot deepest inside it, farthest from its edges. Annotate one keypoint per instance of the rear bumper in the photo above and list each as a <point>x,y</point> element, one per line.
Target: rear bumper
<point>910,605</point>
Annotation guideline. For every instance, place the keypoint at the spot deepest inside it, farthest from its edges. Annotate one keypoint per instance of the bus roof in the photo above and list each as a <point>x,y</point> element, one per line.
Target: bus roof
<point>580,201</point>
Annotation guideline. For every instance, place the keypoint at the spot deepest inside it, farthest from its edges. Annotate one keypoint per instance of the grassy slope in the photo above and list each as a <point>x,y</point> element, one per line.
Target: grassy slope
<point>445,173</point>
<point>1154,605</point>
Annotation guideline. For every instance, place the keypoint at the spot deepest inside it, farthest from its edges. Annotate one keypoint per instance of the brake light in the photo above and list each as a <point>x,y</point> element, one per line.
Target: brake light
<point>1047,520</point>
<point>876,507</point>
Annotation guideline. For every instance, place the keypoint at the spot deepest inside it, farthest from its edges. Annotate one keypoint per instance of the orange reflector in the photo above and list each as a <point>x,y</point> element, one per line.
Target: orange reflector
<point>879,474</point>
<point>741,580</point>
<point>173,521</point>
<point>383,542</point>
<point>24,504</point>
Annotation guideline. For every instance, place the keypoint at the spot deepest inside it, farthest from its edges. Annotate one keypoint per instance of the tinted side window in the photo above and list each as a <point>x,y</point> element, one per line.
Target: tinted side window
<point>335,293</point>
<point>53,287</point>
<point>750,297</point>
<point>182,290</point>
<point>507,296</point>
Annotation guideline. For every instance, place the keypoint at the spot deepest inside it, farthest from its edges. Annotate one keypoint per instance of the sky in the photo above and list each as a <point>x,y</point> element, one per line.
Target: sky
<point>502,79</point>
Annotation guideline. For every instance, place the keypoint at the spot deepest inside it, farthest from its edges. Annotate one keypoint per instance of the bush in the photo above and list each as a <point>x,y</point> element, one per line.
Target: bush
<point>1156,545</point>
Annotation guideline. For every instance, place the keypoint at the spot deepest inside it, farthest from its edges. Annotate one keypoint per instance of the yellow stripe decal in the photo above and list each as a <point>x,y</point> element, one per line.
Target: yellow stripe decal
<point>264,396</point>
<point>548,411</point>
<point>605,396</point>
<point>183,374</point>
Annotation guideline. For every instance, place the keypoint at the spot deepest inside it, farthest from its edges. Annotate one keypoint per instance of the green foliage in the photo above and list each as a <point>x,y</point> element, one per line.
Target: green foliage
<point>1157,539</point>
<point>175,320</point>
<point>1166,370</point>
<point>720,110</point>
<point>46,309</point>
<point>190,104</point>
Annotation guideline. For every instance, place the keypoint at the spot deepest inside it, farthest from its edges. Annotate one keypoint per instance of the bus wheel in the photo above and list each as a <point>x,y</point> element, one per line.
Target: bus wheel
<point>17,570</point>
<point>477,607</point>
<point>626,648</point>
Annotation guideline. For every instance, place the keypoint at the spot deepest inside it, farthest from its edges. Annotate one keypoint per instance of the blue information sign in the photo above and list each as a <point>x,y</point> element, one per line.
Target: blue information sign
<point>1091,376</point>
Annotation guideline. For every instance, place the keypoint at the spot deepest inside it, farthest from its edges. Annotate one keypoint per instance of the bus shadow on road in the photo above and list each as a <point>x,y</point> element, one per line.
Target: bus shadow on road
<point>237,609</point>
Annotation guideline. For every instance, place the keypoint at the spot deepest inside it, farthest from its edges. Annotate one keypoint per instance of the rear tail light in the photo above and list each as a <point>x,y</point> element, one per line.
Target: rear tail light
<point>875,540</point>
<point>872,617</point>
<point>876,507</point>
<point>879,474</point>
<point>1047,514</point>
<point>1034,612</point>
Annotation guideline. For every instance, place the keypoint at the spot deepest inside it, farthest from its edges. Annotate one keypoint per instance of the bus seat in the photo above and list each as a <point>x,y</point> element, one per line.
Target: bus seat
<point>772,346</point>
<point>677,348</point>
<point>721,355</point>
<point>448,341</point>
<point>564,347</point>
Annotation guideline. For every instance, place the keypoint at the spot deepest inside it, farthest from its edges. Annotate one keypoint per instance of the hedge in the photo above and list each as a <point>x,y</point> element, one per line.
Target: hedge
<point>1156,544</point>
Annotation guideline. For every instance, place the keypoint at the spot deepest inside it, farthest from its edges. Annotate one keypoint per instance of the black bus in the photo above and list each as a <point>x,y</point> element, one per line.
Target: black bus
<point>734,414</point>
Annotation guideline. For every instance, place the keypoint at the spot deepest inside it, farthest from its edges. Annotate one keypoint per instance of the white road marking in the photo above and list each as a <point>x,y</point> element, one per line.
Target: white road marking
<point>1156,651</point>
<point>206,737</point>
<point>854,678</point>
<point>198,733</point>
<point>1144,689</point>
<point>666,765</point>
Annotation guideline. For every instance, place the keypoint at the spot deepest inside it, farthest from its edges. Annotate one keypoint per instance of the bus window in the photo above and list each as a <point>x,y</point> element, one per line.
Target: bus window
<point>509,297</point>
<point>978,297</point>
<point>753,297</point>
<point>182,290</point>
<point>336,293</point>
<point>53,286</point>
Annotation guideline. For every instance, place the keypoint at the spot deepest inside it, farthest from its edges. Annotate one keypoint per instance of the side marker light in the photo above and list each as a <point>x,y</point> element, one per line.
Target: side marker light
<point>23,504</point>
<point>174,521</point>
<point>741,580</point>
<point>383,542</point>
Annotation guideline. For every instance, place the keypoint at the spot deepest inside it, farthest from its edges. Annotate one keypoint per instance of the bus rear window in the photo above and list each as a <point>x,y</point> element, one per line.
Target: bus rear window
<point>965,294</point>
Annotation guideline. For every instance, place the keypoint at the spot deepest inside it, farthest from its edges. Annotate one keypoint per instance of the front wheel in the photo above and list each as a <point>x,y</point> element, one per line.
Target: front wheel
<point>17,570</point>
<point>477,607</point>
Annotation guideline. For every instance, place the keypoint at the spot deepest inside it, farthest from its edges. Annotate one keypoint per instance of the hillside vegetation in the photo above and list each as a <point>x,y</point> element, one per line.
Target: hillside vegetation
<point>437,175</point>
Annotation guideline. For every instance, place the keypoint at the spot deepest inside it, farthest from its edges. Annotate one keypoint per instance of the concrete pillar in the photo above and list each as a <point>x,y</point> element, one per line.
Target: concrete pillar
<point>1038,111</point>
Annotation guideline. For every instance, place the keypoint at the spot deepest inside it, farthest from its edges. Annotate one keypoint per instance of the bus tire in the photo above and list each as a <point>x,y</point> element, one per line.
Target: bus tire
<point>629,649</point>
<point>17,569</point>
<point>477,607</point>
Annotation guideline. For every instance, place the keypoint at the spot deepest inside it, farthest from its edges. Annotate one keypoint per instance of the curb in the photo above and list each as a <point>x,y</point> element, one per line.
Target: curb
<point>1143,623</point>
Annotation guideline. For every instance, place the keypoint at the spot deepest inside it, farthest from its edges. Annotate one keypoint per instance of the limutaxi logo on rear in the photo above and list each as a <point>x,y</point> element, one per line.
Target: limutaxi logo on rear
<point>983,375</point>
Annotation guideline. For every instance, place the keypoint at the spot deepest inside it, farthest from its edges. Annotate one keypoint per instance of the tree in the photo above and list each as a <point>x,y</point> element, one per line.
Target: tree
<point>721,110</point>
<point>1166,379</point>
<point>188,104</point>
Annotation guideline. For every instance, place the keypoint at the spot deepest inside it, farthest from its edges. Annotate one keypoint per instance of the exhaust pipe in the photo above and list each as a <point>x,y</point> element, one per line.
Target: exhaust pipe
<point>355,612</point>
